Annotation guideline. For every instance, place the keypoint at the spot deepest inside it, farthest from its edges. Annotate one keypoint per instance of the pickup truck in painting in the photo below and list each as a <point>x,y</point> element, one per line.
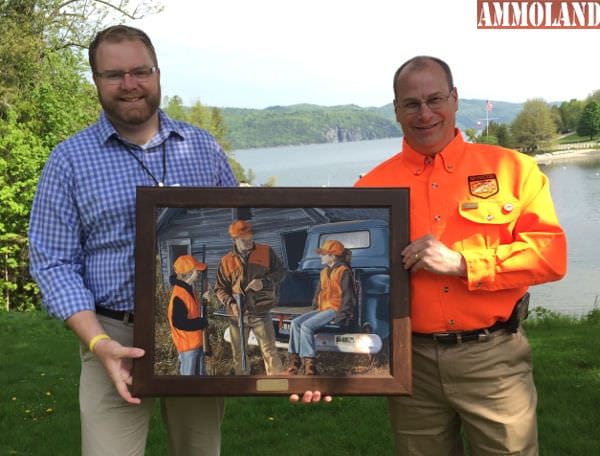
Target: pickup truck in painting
<point>368,241</point>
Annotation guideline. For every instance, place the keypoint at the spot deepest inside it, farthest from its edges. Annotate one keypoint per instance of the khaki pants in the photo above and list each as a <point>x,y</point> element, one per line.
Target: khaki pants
<point>262,327</point>
<point>485,387</point>
<point>113,427</point>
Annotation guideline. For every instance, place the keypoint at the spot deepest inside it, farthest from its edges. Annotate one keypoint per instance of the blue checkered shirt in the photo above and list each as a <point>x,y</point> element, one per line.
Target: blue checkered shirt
<point>82,227</point>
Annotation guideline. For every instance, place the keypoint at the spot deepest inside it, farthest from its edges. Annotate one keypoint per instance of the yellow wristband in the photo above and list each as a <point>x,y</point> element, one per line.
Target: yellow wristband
<point>95,340</point>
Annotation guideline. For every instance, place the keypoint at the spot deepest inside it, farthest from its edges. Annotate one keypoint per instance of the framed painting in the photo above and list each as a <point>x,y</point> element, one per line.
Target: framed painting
<point>272,291</point>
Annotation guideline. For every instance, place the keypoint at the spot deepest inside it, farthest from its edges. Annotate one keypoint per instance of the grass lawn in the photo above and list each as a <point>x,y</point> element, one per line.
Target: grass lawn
<point>39,412</point>
<point>575,138</point>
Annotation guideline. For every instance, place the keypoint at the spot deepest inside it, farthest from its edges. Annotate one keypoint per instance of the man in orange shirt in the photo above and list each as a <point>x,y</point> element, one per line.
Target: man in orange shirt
<point>483,229</point>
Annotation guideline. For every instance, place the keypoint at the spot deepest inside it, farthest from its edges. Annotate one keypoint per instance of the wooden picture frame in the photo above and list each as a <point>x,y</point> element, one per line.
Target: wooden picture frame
<point>367,354</point>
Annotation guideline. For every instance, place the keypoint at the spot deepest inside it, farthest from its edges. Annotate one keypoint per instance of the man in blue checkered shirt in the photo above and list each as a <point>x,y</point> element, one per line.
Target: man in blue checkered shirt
<point>82,234</point>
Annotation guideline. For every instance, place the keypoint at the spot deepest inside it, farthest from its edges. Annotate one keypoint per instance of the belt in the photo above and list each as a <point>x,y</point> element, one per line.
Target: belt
<point>458,337</point>
<point>123,315</point>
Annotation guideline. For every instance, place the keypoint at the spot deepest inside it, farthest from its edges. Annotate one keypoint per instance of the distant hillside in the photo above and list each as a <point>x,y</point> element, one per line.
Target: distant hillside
<point>472,111</point>
<point>313,124</point>
<point>304,124</point>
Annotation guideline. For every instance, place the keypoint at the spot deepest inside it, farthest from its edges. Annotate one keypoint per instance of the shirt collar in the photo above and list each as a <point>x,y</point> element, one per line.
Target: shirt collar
<point>450,155</point>
<point>167,127</point>
<point>185,286</point>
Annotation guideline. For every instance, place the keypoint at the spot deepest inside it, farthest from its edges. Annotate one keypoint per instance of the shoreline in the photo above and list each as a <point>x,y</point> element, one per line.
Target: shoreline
<point>567,154</point>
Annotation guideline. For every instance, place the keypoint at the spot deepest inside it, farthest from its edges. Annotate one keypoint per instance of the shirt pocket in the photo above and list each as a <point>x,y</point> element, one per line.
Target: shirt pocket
<point>488,223</point>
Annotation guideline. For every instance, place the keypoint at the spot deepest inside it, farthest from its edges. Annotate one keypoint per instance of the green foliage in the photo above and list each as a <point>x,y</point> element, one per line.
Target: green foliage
<point>595,96</point>
<point>73,23</point>
<point>534,128</point>
<point>589,122</point>
<point>238,170</point>
<point>593,317</point>
<point>20,52</point>
<point>211,120</point>
<point>504,136</point>
<point>497,134</point>
<point>310,124</point>
<point>304,124</point>
<point>173,107</point>
<point>63,102</point>
<point>573,138</point>
<point>472,113</point>
<point>569,113</point>
<point>489,139</point>
<point>22,155</point>
<point>44,98</point>
<point>471,134</point>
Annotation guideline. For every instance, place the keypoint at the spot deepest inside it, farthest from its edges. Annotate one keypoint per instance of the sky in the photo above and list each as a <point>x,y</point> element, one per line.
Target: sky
<point>261,53</point>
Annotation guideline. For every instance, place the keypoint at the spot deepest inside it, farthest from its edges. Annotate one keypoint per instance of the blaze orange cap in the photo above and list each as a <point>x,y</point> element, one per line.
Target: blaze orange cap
<point>240,228</point>
<point>186,263</point>
<point>331,247</point>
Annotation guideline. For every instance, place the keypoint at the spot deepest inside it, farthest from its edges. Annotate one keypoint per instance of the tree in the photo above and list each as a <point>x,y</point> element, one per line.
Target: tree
<point>471,134</point>
<point>22,156</point>
<point>200,116</point>
<point>569,113</point>
<point>218,128</point>
<point>589,123</point>
<point>174,108</point>
<point>595,96</point>
<point>533,128</point>
<point>20,51</point>
<point>487,139</point>
<point>211,119</point>
<point>32,30</point>
<point>497,133</point>
<point>44,97</point>
<point>503,135</point>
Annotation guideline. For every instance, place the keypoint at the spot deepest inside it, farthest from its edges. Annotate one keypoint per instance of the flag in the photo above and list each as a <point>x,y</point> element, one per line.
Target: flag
<point>489,106</point>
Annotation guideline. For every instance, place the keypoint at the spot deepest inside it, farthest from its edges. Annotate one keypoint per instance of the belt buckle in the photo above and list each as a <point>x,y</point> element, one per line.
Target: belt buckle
<point>447,338</point>
<point>483,336</point>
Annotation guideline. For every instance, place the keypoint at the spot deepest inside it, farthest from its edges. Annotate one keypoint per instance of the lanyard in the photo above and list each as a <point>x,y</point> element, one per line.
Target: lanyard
<point>159,183</point>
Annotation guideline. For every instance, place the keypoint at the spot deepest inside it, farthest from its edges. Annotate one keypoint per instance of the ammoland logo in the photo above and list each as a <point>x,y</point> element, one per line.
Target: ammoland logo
<point>566,14</point>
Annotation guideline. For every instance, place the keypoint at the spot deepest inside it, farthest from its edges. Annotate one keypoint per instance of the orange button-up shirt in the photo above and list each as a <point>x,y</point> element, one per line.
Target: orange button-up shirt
<point>492,205</point>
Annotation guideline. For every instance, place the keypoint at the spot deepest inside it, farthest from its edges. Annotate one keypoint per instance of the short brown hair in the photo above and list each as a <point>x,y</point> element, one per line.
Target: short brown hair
<point>116,34</point>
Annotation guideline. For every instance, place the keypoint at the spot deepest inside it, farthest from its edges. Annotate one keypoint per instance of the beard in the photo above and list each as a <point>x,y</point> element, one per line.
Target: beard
<point>120,114</point>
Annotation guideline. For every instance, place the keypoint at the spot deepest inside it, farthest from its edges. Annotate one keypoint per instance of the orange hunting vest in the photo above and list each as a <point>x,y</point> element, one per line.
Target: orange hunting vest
<point>185,340</point>
<point>233,268</point>
<point>330,292</point>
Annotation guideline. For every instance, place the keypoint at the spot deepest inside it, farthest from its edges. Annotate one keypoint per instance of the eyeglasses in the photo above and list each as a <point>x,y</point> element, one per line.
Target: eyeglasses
<point>434,103</point>
<point>115,77</point>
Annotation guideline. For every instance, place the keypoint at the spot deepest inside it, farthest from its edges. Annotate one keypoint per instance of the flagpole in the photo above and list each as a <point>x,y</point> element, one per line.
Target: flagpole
<point>487,118</point>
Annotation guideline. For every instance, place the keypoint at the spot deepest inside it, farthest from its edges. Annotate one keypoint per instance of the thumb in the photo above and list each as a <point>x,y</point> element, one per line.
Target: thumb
<point>131,352</point>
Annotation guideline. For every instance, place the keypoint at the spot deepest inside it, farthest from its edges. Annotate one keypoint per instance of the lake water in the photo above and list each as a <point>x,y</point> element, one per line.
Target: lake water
<point>575,187</point>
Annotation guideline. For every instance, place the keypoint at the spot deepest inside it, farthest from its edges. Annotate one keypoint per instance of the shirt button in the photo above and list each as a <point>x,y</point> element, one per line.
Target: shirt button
<point>437,218</point>
<point>490,217</point>
<point>451,322</point>
<point>508,207</point>
<point>434,185</point>
<point>479,285</point>
<point>446,289</point>
<point>418,171</point>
